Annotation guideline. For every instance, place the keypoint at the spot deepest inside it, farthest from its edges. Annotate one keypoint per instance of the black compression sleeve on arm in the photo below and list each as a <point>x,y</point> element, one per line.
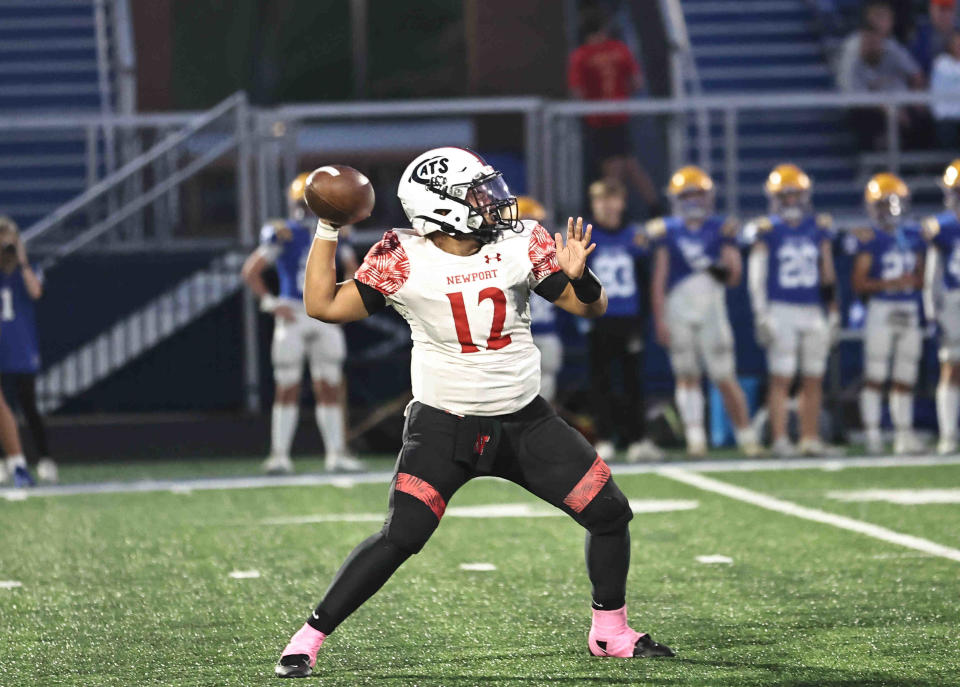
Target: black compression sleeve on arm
<point>373,300</point>
<point>587,288</point>
<point>552,287</point>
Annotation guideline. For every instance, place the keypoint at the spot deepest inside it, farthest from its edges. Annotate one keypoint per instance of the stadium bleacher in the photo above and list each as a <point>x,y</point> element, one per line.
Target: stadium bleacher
<point>48,66</point>
<point>784,55</point>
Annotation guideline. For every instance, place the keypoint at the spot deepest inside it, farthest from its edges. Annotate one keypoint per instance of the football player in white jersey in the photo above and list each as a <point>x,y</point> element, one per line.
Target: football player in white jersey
<point>462,277</point>
<point>297,339</point>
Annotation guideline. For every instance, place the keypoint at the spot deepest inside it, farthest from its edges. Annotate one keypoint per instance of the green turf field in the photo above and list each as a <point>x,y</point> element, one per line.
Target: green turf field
<point>134,588</point>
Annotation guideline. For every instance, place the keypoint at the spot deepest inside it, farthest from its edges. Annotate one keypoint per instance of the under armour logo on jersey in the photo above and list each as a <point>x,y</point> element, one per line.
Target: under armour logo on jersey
<point>490,258</point>
<point>482,441</point>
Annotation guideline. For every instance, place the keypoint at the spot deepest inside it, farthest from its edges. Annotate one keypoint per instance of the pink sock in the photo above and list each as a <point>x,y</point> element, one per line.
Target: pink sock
<point>306,641</point>
<point>610,635</point>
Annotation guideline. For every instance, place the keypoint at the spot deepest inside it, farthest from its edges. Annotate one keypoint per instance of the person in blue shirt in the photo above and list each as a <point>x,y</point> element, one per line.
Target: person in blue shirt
<point>298,339</point>
<point>543,317</point>
<point>887,272</point>
<point>792,278</point>
<point>941,300</point>
<point>616,340</point>
<point>695,259</point>
<point>19,355</point>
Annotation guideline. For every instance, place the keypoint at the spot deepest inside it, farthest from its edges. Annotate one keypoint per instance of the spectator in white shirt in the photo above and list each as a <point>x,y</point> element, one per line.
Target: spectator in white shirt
<point>945,80</point>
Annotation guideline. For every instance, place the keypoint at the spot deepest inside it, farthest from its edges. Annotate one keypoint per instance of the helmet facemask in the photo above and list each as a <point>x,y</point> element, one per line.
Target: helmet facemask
<point>492,209</point>
<point>888,212</point>
<point>693,206</point>
<point>791,204</point>
<point>951,198</point>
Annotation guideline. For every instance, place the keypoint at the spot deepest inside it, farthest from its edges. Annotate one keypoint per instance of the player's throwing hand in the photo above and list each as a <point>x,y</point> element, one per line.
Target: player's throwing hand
<point>572,257</point>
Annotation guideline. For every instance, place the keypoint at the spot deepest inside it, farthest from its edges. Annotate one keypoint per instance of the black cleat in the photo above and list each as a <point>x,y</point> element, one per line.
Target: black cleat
<point>647,648</point>
<point>296,665</point>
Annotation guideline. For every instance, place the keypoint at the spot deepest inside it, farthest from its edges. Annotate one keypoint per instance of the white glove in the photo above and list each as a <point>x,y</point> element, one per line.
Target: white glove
<point>764,329</point>
<point>269,303</point>
<point>833,327</point>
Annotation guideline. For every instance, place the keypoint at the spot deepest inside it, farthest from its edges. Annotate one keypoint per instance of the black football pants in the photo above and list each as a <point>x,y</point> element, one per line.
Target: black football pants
<point>533,448</point>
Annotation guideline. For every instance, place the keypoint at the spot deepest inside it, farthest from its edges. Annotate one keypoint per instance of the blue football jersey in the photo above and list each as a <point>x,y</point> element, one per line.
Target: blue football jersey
<point>288,244</point>
<point>793,268</point>
<point>543,316</point>
<point>614,263</point>
<point>691,250</point>
<point>893,255</point>
<point>943,232</point>
<point>18,325</point>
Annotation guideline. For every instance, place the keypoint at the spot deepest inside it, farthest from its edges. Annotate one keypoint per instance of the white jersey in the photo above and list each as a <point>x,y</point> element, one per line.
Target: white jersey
<point>469,316</point>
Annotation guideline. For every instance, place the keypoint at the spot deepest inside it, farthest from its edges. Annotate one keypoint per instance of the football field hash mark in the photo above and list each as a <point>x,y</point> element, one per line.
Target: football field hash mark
<point>245,574</point>
<point>715,558</point>
<point>10,584</point>
<point>478,567</point>
<point>789,508</point>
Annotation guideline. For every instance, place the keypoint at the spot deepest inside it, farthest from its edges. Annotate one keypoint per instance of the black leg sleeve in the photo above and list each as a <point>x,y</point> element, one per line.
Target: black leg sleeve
<point>366,569</point>
<point>635,411</point>
<point>27,397</point>
<point>600,380</point>
<point>608,560</point>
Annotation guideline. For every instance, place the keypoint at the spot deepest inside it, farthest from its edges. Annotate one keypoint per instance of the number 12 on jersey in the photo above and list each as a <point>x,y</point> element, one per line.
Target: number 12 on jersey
<point>496,340</point>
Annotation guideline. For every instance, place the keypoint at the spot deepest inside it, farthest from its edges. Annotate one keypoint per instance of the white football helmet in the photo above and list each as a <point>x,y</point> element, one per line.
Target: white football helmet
<point>454,191</point>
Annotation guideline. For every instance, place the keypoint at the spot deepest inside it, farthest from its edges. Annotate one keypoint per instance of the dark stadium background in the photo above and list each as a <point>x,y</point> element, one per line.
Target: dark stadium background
<point>188,393</point>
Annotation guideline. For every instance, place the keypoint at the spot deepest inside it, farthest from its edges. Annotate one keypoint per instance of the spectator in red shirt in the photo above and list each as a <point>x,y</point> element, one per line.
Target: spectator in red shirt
<point>604,69</point>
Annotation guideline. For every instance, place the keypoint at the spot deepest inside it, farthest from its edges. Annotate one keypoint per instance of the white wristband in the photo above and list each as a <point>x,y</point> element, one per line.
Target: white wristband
<point>269,303</point>
<point>326,232</point>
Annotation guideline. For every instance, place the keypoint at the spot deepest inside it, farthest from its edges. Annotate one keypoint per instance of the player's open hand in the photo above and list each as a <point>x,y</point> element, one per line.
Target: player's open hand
<point>285,313</point>
<point>572,256</point>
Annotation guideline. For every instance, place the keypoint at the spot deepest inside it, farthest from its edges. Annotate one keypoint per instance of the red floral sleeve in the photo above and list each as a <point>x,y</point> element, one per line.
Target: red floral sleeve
<point>386,267</point>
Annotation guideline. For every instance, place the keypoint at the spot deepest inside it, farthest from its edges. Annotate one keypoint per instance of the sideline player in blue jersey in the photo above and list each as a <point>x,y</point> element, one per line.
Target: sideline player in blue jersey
<point>791,280</point>
<point>543,317</point>
<point>616,339</point>
<point>19,286</point>
<point>695,258</point>
<point>942,302</point>
<point>297,338</point>
<point>887,272</point>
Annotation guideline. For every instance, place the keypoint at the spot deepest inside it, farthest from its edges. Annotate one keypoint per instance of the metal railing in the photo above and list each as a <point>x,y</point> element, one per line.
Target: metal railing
<point>230,123</point>
<point>730,108</point>
<point>265,149</point>
<point>277,131</point>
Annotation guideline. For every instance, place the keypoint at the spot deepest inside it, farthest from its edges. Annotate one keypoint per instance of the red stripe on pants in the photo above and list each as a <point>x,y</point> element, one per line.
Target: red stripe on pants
<point>588,486</point>
<point>422,490</point>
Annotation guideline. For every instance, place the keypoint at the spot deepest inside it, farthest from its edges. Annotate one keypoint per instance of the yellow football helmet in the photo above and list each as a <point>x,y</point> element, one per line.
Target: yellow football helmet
<point>529,208</point>
<point>785,178</point>
<point>689,178</point>
<point>789,188</point>
<point>950,183</point>
<point>887,199</point>
<point>297,186</point>
<point>691,194</point>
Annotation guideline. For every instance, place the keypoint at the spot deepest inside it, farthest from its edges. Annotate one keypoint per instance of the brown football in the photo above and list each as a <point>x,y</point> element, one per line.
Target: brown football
<point>339,194</point>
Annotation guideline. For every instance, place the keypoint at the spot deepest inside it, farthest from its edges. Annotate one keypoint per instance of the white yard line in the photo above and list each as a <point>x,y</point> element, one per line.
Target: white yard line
<point>491,510</point>
<point>756,498</point>
<point>325,479</point>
